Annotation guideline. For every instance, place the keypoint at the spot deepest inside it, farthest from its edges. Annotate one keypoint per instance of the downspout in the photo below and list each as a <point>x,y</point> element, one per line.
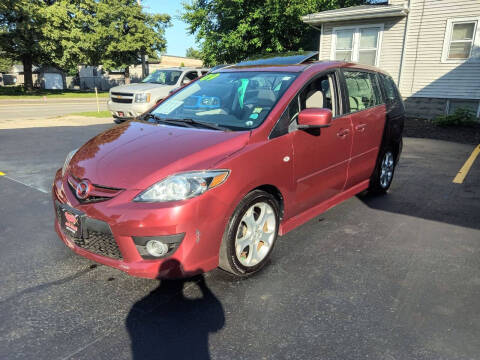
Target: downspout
<point>404,44</point>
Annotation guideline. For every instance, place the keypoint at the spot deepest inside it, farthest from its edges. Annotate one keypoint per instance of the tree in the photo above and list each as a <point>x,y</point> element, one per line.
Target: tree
<point>20,33</point>
<point>124,32</point>
<point>66,33</point>
<point>233,30</point>
<point>193,53</point>
<point>69,33</point>
<point>5,63</point>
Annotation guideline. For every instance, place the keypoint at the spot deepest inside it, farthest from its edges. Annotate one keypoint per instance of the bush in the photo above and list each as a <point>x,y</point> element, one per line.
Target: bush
<point>461,117</point>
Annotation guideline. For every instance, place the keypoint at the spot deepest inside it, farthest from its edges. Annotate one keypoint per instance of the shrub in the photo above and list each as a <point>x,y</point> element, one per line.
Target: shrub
<point>461,117</point>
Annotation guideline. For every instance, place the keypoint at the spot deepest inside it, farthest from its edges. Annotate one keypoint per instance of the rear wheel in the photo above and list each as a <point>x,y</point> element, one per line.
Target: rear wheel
<point>250,234</point>
<point>383,175</point>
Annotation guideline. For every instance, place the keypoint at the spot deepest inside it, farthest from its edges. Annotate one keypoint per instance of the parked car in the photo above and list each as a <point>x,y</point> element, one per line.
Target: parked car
<point>217,171</point>
<point>129,101</point>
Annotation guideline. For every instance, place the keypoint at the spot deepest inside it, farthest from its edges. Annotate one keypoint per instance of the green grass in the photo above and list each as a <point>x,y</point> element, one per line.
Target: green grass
<point>18,92</point>
<point>101,114</point>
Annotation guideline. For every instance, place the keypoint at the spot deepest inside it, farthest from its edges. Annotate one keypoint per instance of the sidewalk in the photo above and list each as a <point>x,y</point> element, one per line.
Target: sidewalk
<point>69,120</point>
<point>47,100</point>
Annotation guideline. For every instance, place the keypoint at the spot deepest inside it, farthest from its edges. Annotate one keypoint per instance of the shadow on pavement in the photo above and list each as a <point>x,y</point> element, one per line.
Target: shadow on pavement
<point>450,209</point>
<point>177,327</point>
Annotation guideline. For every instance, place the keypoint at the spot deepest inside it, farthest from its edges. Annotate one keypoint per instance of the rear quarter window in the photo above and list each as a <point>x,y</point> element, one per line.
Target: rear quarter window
<point>391,91</point>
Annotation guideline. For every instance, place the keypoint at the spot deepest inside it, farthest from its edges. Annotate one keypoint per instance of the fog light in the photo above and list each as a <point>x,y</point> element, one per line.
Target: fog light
<point>156,248</point>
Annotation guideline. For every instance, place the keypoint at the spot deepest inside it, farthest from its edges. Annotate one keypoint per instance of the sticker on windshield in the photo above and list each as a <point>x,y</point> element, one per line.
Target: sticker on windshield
<point>249,123</point>
<point>257,110</point>
<point>253,116</point>
<point>210,77</point>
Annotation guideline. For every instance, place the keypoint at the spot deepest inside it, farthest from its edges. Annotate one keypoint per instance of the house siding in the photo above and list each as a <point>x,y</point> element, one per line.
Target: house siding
<point>424,74</point>
<point>391,47</point>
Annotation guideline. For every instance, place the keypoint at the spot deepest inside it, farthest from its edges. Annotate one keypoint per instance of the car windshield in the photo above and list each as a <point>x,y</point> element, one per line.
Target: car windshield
<point>234,100</point>
<point>164,77</point>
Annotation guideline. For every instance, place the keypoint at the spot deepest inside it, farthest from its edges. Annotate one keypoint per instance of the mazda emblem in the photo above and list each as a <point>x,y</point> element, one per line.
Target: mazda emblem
<point>83,189</point>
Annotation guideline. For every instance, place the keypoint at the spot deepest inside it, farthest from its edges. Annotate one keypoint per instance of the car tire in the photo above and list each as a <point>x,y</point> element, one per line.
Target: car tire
<point>384,170</point>
<point>250,234</point>
<point>118,121</point>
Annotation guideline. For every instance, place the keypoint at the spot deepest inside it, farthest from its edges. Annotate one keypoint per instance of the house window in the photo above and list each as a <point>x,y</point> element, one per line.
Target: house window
<point>360,44</point>
<point>461,40</point>
<point>344,44</point>
<point>473,106</point>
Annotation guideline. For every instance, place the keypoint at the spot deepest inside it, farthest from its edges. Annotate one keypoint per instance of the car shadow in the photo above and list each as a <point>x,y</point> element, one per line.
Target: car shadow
<point>168,324</point>
<point>439,209</point>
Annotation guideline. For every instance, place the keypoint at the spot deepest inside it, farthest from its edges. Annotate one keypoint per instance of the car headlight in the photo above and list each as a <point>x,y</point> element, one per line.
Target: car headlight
<point>183,186</point>
<point>142,98</point>
<point>67,160</point>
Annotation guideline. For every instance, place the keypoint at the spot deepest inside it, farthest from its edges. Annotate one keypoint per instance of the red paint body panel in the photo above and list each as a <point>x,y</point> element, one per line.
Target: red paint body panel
<point>321,162</point>
<point>368,128</point>
<point>313,172</point>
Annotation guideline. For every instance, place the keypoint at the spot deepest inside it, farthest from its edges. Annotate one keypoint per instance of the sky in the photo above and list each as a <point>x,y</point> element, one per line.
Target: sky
<point>178,40</point>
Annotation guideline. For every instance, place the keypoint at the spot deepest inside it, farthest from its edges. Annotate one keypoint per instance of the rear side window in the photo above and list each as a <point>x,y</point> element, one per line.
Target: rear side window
<point>363,90</point>
<point>390,88</point>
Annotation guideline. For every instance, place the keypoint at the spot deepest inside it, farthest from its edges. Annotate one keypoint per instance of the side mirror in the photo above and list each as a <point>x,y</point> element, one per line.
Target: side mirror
<point>314,118</point>
<point>185,81</point>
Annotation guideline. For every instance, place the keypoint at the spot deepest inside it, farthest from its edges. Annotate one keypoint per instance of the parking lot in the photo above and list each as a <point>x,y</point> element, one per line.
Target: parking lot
<point>389,277</point>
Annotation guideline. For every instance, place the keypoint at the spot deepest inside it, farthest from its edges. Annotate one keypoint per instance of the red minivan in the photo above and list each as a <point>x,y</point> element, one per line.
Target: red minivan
<point>213,174</point>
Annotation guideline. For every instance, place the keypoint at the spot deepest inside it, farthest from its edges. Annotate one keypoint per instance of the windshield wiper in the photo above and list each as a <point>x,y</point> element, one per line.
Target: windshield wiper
<point>160,120</point>
<point>205,124</point>
<point>188,123</point>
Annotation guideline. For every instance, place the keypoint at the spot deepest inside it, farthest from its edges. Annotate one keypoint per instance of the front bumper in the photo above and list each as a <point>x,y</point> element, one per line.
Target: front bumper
<point>201,219</point>
<point>129,111</point>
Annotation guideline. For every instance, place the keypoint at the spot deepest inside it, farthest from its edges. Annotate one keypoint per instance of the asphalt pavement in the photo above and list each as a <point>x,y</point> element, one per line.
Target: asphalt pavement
<point>387,277</point>
<point>35,109</point>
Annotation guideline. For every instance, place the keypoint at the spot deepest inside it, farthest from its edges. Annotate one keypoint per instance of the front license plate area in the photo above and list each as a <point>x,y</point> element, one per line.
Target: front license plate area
<point>120,113</point>
<point>71,222</point>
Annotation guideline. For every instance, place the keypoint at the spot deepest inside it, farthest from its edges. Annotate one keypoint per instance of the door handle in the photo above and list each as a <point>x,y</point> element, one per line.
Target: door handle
<point>360,127</point>
<point>343,133</point>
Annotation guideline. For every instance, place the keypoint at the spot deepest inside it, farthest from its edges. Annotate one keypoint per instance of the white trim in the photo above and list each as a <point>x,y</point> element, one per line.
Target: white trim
<point>356,40</point>
<point>320,45</point>
<point>356,13</point>
<point>474,52</point>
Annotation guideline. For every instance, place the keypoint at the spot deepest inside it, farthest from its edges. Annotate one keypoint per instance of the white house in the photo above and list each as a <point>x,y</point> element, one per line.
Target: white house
<point>430,47</point>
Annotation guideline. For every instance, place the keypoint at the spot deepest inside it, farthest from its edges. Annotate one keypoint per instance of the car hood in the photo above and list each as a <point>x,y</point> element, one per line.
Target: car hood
<point>139,87</point>
<point>135,155</point>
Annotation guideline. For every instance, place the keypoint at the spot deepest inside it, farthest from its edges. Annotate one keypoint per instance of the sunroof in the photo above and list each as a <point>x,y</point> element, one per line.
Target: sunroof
<point>281,59</point>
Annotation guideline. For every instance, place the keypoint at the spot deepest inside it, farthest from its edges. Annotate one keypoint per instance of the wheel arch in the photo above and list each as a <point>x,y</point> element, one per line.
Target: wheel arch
<point>276,193</point>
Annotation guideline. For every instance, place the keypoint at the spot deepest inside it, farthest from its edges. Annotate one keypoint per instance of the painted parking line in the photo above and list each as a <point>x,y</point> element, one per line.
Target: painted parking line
<point>19,182</point>
<point>466,167</point>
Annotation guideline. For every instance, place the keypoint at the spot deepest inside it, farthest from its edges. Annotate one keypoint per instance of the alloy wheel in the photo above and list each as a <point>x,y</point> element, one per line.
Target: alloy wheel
<point>255,234</point>
<point>386,169</point>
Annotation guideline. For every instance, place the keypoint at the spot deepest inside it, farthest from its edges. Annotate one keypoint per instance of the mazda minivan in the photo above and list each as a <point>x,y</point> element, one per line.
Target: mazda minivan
<point>213,175</point>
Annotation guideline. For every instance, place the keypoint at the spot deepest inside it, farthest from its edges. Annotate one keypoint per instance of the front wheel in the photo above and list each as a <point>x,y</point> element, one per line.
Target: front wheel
<point>250,234</point>
<point>383,175</point>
